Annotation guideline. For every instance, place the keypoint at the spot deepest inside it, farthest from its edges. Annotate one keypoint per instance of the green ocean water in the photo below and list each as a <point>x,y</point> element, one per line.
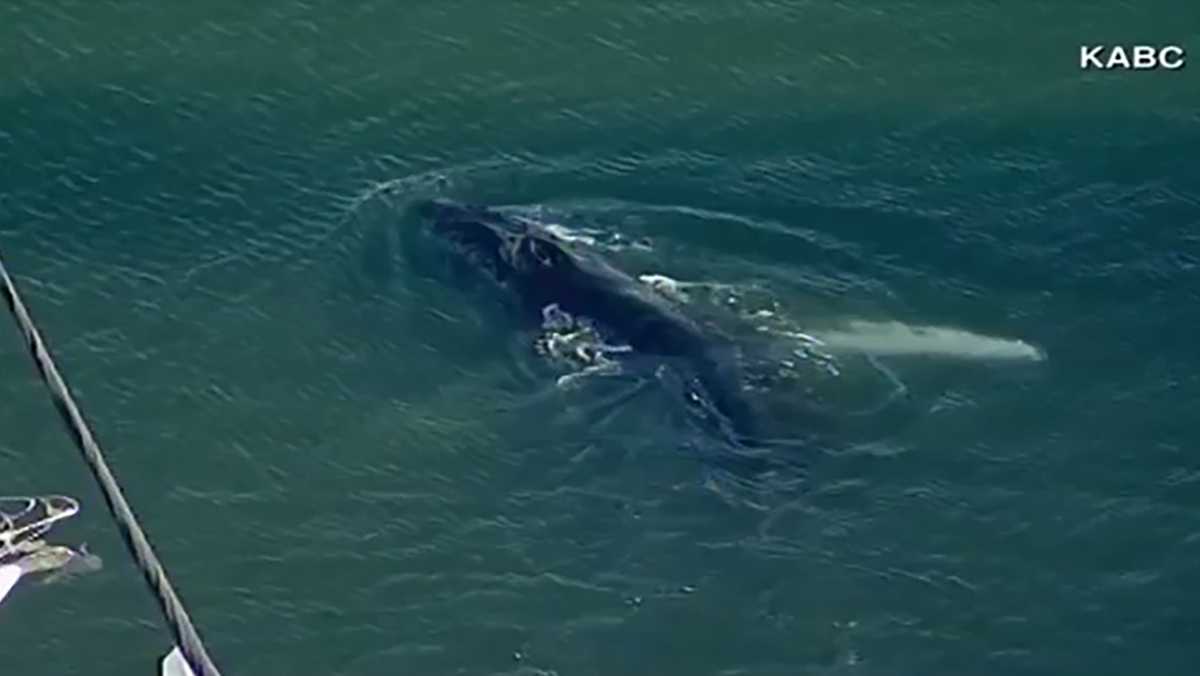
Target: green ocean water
<point>349,469</point>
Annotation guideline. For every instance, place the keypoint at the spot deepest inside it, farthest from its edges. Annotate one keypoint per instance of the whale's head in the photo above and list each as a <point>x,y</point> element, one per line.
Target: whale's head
<point>476,234</point>
<point>465,225</point>
<point>506,247</point>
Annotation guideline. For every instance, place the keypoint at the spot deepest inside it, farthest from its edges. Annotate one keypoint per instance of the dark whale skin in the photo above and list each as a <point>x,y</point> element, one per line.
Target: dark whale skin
<point>542,269</point>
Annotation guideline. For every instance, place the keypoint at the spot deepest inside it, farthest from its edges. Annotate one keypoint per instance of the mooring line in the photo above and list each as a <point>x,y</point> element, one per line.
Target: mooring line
<point>176,616</point>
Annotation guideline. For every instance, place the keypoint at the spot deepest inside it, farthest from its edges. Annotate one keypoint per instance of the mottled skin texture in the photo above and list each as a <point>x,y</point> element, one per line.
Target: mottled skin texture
<point>542,269</point>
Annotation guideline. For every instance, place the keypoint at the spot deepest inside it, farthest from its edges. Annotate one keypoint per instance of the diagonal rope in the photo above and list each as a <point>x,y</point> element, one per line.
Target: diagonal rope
<point>177,618</point>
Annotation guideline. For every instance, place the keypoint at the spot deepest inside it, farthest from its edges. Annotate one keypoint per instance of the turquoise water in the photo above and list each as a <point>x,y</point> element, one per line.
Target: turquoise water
<point>350,469</point>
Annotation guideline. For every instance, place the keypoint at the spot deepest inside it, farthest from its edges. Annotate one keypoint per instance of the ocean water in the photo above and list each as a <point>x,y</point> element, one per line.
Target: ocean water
<point>352,468</point>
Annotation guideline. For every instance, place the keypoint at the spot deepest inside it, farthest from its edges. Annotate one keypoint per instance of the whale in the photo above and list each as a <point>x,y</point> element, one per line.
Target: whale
<point>543,270</point>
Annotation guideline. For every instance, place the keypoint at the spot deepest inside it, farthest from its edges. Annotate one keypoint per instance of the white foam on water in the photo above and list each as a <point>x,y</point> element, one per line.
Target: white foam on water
<point>587,237</point>
<point>667,286</point>
<point>568,235</point>
<point>898,339</point>
<point>678,289</point>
